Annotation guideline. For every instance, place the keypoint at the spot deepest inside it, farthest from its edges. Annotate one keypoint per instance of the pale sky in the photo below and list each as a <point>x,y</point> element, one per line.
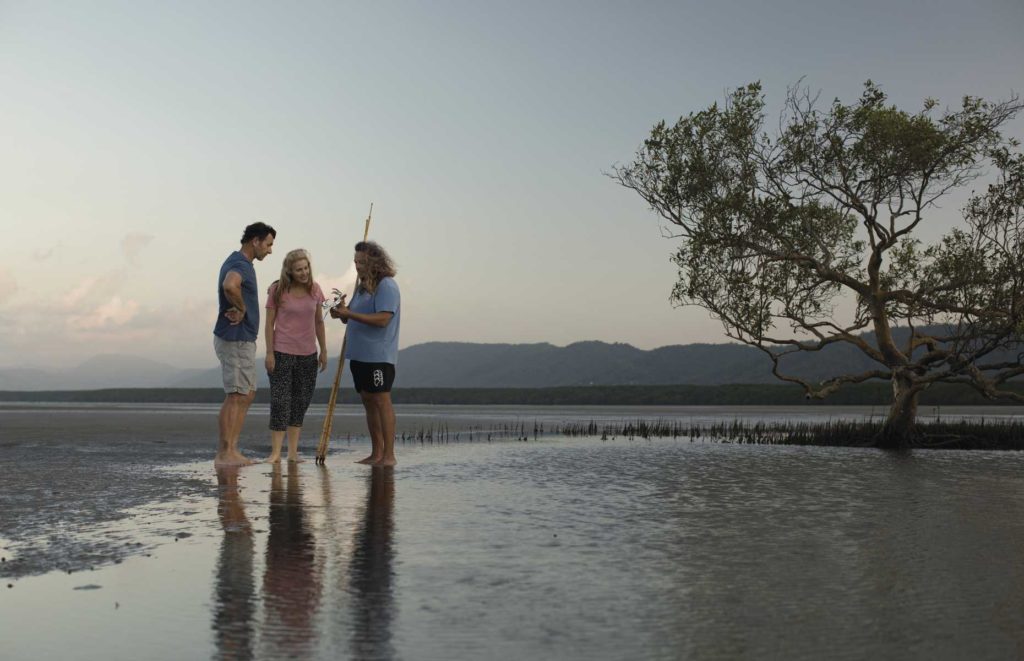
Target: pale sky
<point>137,139</point>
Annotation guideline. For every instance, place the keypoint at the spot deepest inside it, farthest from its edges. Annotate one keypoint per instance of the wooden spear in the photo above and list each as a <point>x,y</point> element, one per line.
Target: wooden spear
<point>325,433</point>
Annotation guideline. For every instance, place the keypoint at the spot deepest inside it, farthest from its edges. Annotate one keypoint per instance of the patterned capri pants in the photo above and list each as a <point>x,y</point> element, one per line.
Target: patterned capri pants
<point>291,389</point>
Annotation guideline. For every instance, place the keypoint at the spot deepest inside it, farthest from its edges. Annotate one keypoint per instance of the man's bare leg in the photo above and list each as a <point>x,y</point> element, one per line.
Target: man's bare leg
<point>374,427</point>
<point>227,453</point>
<point>235,407</point>
<point>243,410</point>
<point>293,445</point>
<point>224,424</point>
<point>240,409</point>
<point>387,423</point>
<point>276,441</point>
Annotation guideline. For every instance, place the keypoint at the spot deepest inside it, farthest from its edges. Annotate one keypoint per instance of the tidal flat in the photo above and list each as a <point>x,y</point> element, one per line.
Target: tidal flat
<point>120,541</point>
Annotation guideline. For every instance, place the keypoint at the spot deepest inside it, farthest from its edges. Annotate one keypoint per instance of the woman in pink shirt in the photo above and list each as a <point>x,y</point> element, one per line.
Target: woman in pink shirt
<point>294,327</point>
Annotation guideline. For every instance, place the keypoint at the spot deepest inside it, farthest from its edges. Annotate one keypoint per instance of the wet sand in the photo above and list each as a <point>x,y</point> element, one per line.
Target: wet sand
<point>568,548</point>
<point>70,470</point>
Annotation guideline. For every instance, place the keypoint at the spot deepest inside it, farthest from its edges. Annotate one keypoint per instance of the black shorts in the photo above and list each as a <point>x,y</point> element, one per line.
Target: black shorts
<point>372,377</point>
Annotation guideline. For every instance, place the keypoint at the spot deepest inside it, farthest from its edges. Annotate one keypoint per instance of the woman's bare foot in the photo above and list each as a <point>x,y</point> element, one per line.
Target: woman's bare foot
<point>387,461</point>
<point>273,459</point>
<point>296,460</point>
<point>369,460</point>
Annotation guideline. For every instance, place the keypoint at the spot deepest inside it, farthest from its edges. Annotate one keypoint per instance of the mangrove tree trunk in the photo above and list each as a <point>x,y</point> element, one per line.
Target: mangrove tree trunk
<point>899,429</point>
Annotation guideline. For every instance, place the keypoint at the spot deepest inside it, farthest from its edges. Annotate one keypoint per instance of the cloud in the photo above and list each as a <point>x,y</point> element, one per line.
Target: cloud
<point>345,282</point>
<point>92,289</point>
<point>35,335</point>
<point>132,245</point>
<point>113,314</point>
<point>81,291</point>
<point>32,334</point>
<point>8,286</point>
<point>41,254</point>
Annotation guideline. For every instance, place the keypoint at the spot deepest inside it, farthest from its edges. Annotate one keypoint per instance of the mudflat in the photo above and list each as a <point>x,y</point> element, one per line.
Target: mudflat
<point>120,541</point>
<point>71,469</point>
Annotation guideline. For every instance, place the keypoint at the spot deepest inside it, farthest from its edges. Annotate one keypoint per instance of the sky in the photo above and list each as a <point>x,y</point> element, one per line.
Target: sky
<point>139,139</point>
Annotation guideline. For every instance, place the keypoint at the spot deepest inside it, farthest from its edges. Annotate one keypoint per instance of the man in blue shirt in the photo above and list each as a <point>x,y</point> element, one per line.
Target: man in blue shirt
<point>371,345</point>
<point>234,338</point>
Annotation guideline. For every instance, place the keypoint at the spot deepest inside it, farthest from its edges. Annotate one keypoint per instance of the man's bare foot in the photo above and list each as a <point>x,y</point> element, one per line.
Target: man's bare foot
<point>369,460</point>
<point>387,461</point>
<point>230,458</point>
<point>296,460</point>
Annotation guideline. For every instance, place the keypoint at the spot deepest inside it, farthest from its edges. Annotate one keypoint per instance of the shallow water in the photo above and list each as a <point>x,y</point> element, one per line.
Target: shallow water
<point>555,548</point>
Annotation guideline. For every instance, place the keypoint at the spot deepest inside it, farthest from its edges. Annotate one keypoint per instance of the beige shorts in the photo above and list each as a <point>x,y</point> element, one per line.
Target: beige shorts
<point>237,365</point>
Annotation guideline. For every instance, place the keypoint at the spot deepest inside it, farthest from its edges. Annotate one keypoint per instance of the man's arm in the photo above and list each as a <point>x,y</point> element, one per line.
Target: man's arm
<point>232,287</point>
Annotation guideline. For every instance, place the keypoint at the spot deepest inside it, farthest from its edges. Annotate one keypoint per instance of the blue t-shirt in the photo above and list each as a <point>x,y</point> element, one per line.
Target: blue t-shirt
<point>370,344</point>
<point>250,326</point>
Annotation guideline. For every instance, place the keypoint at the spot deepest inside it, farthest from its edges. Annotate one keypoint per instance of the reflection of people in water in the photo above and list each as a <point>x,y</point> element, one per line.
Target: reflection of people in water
<point>371,572</point>
<point>233,602</point>
<point>291,582</point>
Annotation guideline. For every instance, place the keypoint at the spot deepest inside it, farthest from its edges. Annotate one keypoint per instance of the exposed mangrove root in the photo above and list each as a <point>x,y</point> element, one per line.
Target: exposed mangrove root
<point>963,434</point>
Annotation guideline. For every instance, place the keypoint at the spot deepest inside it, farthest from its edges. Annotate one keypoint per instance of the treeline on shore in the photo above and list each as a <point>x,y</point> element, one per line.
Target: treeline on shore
<point>868,394</point>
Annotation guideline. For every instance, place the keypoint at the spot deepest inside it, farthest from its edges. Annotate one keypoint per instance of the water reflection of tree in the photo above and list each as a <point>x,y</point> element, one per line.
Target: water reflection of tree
<point>371,573</point>
<point>292,579</point>
<point>234,599</point>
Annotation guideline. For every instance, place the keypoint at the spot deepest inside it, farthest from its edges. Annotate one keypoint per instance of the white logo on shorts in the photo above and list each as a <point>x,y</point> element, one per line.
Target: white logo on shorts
<point>378,378</point>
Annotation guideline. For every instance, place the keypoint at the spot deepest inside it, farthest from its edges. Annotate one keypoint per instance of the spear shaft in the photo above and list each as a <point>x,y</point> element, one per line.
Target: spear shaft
<point>325,433</point>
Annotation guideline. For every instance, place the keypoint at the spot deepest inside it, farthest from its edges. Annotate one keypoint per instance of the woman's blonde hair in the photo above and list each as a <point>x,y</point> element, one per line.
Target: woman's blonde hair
<point>378,265</point>
<point>286,282</point>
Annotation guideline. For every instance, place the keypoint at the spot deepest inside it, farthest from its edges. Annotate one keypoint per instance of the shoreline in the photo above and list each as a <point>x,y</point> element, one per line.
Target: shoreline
<point>868,394</point>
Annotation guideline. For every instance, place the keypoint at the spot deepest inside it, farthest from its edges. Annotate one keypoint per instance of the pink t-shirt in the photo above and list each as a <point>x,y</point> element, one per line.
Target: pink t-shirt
<point>295,324</point>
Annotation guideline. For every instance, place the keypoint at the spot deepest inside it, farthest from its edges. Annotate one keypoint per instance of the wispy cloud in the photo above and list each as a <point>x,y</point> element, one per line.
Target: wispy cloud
<point>43,254</point>
<point>81,291</point>
<point>38,336</point>
<point>112,314</point>
<point>8,286</point>
<point>93,289</point>
<point>345,282</point>
<point>133,244</point>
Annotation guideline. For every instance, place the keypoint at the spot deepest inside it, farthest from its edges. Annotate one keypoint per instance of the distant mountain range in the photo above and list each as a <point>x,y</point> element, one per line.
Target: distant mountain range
<point>469,365</point>
<point>101,371</point>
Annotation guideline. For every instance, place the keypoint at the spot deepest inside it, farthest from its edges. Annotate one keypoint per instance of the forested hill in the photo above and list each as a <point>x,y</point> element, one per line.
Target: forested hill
<point>454,364</point>
<point>451,364</point>
<point>543,365</point>
<point>469,365</point>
